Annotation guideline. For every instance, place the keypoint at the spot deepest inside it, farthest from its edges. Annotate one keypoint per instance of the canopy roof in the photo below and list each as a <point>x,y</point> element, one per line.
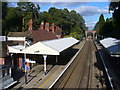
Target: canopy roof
<point>16,49</point>
<point>112,45</point>
<point>50,47</point>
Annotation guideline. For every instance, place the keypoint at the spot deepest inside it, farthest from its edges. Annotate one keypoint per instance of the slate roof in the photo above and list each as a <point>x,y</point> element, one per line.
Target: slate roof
<point>35,35</point>
<point>42,35</point>
<point>20,34</point>
<point>16,34</point>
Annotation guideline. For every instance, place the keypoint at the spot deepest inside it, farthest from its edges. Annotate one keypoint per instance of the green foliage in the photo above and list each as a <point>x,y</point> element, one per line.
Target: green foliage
<point>107,29</point>
<point>4,9</point>
<point>99,25</point>
<point>74,34</point>
<point>115,6</point>
<point>71,22</point>
<point>29,11</point>
<point>110,27</point>
<point>12,21</point>
<point>68,20</point>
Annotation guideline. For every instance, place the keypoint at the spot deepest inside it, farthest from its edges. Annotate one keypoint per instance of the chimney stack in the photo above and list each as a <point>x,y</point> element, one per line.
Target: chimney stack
<point>47,26</point>
<point>30,25</point>
<point>42,25</point>
<point>53,27</point>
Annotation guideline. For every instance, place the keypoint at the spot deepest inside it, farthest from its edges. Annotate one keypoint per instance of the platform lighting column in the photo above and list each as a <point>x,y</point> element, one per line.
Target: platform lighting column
<point>25,69</point>
<point>45,69</point>
<point>25,75</point>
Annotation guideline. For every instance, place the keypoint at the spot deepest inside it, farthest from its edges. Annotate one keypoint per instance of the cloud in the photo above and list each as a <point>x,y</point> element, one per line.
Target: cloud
<point>69,1</point>
<point>90,24</point>
<point>67,4</point>
<point>12,4</point>
<point>62,4</point>
<point>90,10</point>
<point>107,7</point>
<point>93,22</point>
<point>90,27</point>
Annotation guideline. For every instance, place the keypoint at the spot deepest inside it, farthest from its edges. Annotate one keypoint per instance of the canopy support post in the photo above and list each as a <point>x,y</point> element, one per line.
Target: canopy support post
<point>56,59</point>
<point>45,69</point>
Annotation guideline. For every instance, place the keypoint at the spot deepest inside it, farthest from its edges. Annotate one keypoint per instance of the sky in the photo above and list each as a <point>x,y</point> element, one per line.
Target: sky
<point>90,11</point>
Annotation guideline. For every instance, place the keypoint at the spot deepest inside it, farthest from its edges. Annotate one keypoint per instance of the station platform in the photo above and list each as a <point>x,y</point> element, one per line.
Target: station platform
<point>37,78</point>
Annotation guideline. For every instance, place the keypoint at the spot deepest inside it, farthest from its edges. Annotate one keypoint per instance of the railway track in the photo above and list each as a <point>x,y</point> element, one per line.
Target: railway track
<point>85,71</point>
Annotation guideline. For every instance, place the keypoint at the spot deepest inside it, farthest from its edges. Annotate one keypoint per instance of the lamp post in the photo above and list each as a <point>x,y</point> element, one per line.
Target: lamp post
<point>25,70</point>
<point>25,75</point>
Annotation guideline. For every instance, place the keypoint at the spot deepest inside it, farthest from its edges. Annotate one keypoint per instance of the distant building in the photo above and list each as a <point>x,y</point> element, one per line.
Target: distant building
<point>53,28</point>
<point>27,38</point>
<point>45,32</point>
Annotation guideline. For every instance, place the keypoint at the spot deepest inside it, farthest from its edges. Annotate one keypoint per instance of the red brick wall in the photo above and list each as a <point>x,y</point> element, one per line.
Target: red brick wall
<point>47,27</point>
<point>20,63</point>
<point>2,61</point>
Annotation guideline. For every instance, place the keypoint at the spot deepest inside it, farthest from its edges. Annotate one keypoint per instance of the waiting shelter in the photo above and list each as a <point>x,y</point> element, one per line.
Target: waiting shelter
<point>112,45</point>
<point>50,47</point>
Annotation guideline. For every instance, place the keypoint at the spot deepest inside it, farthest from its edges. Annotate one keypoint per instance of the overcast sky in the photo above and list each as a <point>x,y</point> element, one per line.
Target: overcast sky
<point>89,10</point>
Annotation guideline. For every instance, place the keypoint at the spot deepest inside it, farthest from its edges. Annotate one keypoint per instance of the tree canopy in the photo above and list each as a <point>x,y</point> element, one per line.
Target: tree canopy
<point>16,18</point>
<point>110,27</point>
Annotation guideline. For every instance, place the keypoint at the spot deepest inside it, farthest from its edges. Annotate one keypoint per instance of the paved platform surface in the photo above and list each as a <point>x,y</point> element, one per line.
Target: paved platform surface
<point>37,79</point>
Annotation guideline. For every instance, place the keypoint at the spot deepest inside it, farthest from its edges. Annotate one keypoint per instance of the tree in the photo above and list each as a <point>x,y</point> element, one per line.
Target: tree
<point>99,25</point>
<point>13,15</point>
<point>107,29</point>
<point>115,7</point>
<point>29,10</point>
<point>68,21</point>
<point>4,9</point>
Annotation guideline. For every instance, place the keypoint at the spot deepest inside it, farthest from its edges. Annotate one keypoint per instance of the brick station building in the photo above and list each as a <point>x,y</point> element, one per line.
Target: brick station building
<point>29,37</point>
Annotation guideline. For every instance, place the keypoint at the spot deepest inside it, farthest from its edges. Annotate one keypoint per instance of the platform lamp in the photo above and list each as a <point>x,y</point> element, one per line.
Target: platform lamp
<point>25,75</point>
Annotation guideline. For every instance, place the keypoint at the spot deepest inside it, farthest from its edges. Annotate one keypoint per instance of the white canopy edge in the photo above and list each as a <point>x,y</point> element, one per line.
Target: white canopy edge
<point>16,38</point>
<point>50,47</point>
<point>111,44</point>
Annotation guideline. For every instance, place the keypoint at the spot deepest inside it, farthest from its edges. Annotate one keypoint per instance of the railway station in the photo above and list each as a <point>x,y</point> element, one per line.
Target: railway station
<point>46,45</point>
<point>51,77</point>
<point>45,48</point>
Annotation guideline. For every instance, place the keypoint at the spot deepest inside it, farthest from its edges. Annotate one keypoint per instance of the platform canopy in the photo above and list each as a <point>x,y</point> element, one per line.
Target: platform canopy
<point>50,47</point>
<point>112,45</point>
<point>16,49</point>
